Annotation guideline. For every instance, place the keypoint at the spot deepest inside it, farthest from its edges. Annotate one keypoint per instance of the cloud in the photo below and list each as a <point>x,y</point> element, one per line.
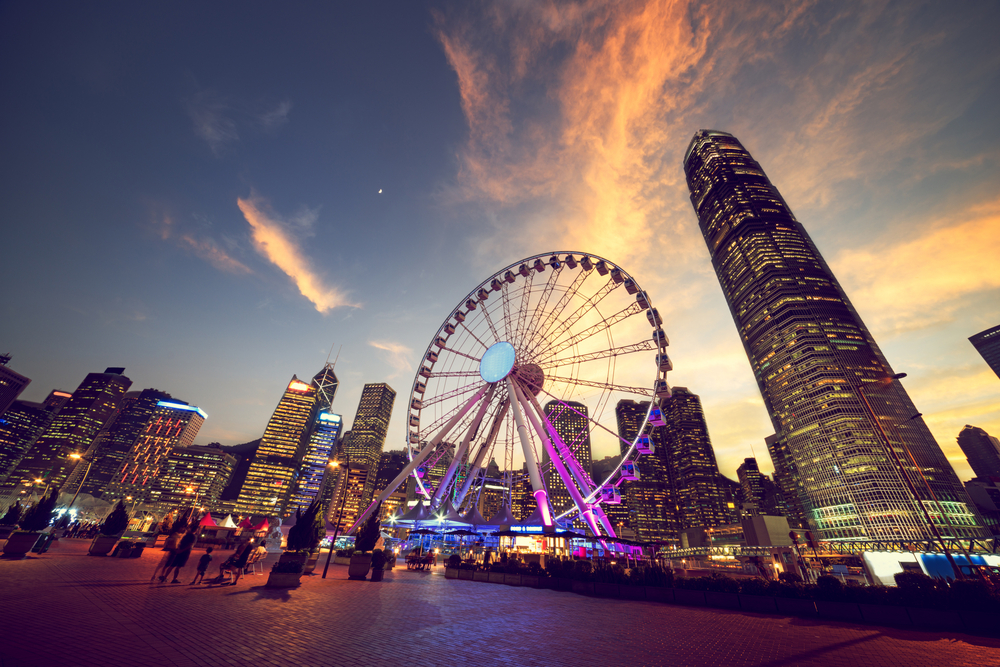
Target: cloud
<point>277,116</point>
<point>398,355</point>
<point>273,240</point>
<point>205,247</point>
<point>218,119</point>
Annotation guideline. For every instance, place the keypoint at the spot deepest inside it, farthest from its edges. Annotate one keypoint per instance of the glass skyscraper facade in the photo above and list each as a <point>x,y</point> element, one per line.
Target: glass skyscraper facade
<point>987,343</point>
<point>574,429</point>
<point>314,471</point>
<point>828,389</point>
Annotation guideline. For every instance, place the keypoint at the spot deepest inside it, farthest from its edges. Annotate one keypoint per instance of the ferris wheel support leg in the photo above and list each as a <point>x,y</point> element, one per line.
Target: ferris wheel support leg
<point>541,498</point>
<point>418,459</point>
<point>567,479</point>
<point>481,456</point>
<point>607,524</point>
<point>460,452</point>
<point>574,466</point>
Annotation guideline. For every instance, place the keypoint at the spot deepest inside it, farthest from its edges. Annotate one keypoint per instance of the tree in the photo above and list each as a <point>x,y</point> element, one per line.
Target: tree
<point>117,521</point>
<point>13,514</point>
<point>39,515</point>
<point>308,530</point>
<point>370,531</point>
<point>166,524</point>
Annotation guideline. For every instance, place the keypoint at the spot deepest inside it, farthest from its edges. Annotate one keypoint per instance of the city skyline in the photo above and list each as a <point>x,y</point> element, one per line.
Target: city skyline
<point>153,186</point>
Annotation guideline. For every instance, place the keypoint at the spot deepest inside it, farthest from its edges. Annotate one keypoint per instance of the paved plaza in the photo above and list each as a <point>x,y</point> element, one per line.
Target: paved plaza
<point>67,608</point>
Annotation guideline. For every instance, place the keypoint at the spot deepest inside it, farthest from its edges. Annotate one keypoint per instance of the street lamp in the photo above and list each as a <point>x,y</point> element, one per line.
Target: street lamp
<point>340,516</point>
<point>90,462</point>
<point>884,382</point>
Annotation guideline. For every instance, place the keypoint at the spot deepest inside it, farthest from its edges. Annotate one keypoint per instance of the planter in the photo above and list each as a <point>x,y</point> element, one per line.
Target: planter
<point>659,594</point>
<point>981,622</point>
<point>722,600</point>
<point>341,560</point>
<point>103,544</point>
<point>878,614</point>
<point>496,577</point>
<point>627,592</point>
<point>512,579</point>
<point>310,563</point>
<point>763,604</point>
<point>360,564</point>
<point>606,590</point>
<point>532,580</point>
<point>481,575</point>
<point>795,606</point>
<point>562,584</point>
<point>689,597</point>
<point>938,619</point>
<point>466,574</point>
<point>378,574</point>
<point>583,587</point>
<point>842,611</point>
<point>293,557</point>
<point>19,544</point>
<point>7,531</point>
<point>283,580</point>
<point>451,573</point>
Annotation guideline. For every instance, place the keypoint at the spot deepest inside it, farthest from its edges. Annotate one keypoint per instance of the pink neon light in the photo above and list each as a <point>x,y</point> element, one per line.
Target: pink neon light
<point>543,506</point>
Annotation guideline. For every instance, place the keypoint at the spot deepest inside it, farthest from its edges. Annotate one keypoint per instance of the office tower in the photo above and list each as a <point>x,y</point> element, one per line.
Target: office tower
<point>788,482</point>
<point>751,485</point>
<point>697,483</point>
<point>988,344</point>
<point>172,424</point>
<point>982,450</point>
<point>389,466</point>
<point>367,435</point>
<point>114,442</point>
<point>193,476</point>
<point>985,493</point>
<point>326,384</point>
<point>274,471</point>
<point>314,473</point>
<point>347,506</point>
<point>74,428</point>
<point>11,384</point>
<point>828,389</point>
<point>20,426</point>
<point>649,504</point>
<point>569,419</point>
<point>244,454</point>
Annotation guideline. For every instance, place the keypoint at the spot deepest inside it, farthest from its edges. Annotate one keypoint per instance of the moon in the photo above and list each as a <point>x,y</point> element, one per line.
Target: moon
<point>380,190</point>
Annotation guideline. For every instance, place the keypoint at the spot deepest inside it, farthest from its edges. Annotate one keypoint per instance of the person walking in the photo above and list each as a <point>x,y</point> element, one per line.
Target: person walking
<point>181,556</point>
<point>165,563</point>
<point>203,564</point>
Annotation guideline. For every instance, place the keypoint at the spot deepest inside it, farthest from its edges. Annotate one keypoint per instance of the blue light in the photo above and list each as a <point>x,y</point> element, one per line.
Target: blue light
<point>329,417</point>
<point>497,362</point>
<point>181,406</point>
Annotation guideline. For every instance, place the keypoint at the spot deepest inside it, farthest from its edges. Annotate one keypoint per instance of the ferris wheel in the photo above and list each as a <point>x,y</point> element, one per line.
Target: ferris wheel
<point>527,372</point>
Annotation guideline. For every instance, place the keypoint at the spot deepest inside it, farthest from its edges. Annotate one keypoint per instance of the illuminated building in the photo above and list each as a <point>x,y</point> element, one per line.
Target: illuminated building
<point>74,428</point>
<point>788,481</point>
<point>193,475</point>
<point>988,344</point>
<point>569,419</point>
<point>313,473</point>
<point>11,384</point>
<point>982,451</point>
<point>367,436</point>
<point>347,508</point>
<point>751,484</point>
<point>172,424</point>
<point>114,442</point>
<point>274,471</point>
<point>491,497</point>
<point>650,504</point>
<point>828,389</point>
<point>20,426</point>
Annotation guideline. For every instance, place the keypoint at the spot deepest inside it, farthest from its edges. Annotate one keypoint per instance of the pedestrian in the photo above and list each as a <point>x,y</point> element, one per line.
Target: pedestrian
<point>236,562</point>
<point>241,562</point>
<point>168,556</point>
<point>203,564</point>
<point>181,556</point>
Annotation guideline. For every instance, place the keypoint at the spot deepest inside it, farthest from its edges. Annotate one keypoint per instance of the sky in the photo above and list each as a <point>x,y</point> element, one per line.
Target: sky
<point>217,199</point>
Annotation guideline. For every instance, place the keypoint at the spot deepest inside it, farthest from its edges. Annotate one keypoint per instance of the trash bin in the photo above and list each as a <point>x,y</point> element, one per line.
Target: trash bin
<point>122,549</point>
<point>42,545</point>
<point>137,549</point>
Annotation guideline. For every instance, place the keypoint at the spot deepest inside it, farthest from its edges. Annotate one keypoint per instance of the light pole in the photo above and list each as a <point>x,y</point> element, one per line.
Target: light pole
<point>340,516</point>
<point>902,471</point>
<point>90,462</point>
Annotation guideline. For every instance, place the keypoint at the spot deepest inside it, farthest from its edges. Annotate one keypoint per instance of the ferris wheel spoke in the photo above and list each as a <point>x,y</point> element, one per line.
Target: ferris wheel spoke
<point>625,313</point>
<point>452,374</point>
<point>538,333</point>
<point>508,325</point>
<point>460,391</point>
<point>561,328</point>
<point>474,336</point>
<point>641,391</point>
<point>642,346</point>
<point>541,305</point>
<point>445,348</point>
<point>489,320</point>
<point>484,449</point>
<point>593,421</point>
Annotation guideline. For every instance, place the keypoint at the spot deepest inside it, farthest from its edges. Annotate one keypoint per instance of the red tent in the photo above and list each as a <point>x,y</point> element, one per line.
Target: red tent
<point>245,523</point>
<point>207,520</point>
<point>264,524</point>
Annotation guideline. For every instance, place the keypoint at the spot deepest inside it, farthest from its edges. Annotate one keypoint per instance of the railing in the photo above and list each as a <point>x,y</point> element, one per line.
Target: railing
<point>842,548</point>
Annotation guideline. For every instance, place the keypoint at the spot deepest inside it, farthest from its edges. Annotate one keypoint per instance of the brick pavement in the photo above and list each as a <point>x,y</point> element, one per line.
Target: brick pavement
<point>67,608</point>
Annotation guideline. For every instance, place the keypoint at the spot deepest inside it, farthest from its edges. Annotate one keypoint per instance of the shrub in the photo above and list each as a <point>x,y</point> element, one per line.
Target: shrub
<point>912,580</point>
<point>379,559</point>
<point>557,568</point>
<point>13,515</point>
<point>755,586</point>
<point>720,583</point>
<point>497,566</point>
<point>789,577</point>
<point>369,533</point>
<point>454,560</point>
<point>829,587</point>
<point>116,522</point>
<point>289,567</point>
<point>512,566</point>
<point>609,574</point>
<point>39,515</point>
<point>308,530</point>
<point>582,570</point>
<point>534,569</point>
<point>973,595</point>
<point>916,589</point>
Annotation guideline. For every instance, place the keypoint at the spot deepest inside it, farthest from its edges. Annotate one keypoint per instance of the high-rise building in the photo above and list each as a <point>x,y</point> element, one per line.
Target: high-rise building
<point>193,476</point>
<point>828,389</point>
<point>700,495</point>
<point>20,426</point>
<point>982,451</point>
<point>649,504</point>
<point>314,474</point>
<point>244,454</point>
<point>347,506</point>
<point>74,428</point>
<point>751,485</point>
<point>569,419</point>
<point>114,442</point>
<point>11,383</point>
<point>988,344</point>
<point>172,424</point>
<point>367,435</point>
<point>274,471</point>
<point>788,482</point>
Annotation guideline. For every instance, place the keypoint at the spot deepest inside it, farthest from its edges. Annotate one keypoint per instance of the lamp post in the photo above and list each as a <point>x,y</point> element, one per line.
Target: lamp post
<point>902,471</point>
<point>340,516</point>
<point>90,462</point>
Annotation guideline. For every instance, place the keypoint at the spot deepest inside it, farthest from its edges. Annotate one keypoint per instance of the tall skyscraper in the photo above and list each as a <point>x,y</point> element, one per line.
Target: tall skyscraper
<point>825,383</point>
<point>114,442</point>
<point>172,424</point>
<point>982,450</point>
<point>274,471</point>
<point>315,471</point>
<point>193,476</point>
<point>570,421</point>
<point>74,428</point>
<point>988,344</point>
<point>20,426</point>
<point>367,436</point>
<point>751,484</point>
<point>700,494</point>
<point>11,383</point>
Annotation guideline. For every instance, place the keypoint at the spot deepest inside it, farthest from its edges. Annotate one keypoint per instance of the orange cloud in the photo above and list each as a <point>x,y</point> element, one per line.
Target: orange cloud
<point>208,250</point>
<point>399,355</point>
<point>272,240</point>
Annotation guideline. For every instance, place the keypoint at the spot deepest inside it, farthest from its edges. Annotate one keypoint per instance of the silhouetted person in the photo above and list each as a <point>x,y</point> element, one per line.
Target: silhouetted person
<point>181,556</point>
<point>203,564</point>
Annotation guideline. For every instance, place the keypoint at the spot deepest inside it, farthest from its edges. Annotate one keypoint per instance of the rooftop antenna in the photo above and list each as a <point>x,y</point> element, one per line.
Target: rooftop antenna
<point>753,452</point>
<point>337,357</point>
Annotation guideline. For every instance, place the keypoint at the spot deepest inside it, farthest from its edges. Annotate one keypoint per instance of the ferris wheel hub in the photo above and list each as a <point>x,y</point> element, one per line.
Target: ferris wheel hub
<point>497,362</point>
<point>530,377</point>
